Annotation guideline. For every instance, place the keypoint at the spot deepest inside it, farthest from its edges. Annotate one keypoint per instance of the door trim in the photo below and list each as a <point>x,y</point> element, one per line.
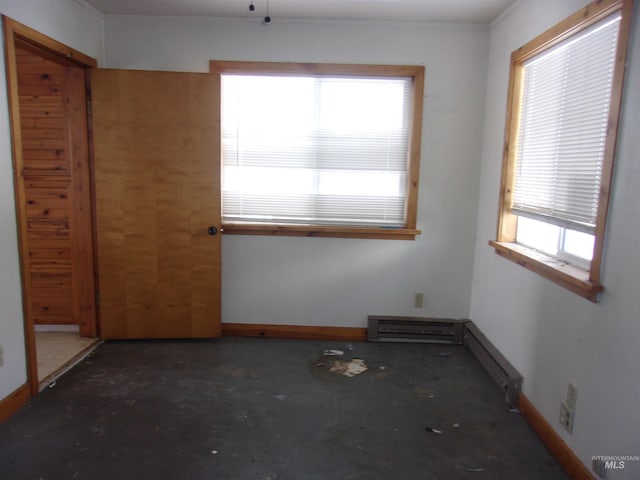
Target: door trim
<point>14,32</point>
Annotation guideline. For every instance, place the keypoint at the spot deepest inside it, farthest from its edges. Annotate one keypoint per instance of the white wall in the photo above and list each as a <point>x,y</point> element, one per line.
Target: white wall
<point>551,335</point>
<point>78,27</point>
<point>338,282</point>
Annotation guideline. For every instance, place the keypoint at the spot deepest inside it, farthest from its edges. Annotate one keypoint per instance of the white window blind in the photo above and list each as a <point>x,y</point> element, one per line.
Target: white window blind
<point>564,113</point>
<point>315,150</point>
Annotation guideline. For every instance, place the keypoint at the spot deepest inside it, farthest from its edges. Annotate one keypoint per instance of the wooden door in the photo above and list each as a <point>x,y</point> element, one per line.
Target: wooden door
<point>53,185</point>
<point>156,146</point>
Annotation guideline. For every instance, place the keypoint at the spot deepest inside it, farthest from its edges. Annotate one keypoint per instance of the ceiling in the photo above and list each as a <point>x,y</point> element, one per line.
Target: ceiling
<point>476,11</point>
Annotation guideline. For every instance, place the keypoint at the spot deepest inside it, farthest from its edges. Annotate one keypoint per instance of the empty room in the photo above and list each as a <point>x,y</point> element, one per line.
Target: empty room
<point>341,239</point>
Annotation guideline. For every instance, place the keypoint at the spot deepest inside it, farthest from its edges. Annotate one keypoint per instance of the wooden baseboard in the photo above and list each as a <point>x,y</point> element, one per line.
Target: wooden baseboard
<point>568,460</point>
<point>294,331</point>
<point>14,401</point>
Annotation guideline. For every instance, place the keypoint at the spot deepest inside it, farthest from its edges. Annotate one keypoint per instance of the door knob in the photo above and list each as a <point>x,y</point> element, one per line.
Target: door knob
<point>212,230</point>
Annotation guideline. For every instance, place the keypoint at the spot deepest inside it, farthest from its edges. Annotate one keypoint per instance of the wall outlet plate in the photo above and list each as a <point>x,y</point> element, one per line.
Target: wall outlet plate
<point>566,417</point>
<point>418,301</point>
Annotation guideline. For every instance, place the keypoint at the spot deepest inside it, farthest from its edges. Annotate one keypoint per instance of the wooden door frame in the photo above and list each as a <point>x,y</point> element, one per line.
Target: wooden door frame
<point>16,32</point>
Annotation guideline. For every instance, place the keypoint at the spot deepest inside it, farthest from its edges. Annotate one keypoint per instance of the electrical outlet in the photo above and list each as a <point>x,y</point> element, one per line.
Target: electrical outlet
<point>567,415</point>
<point>572,396</point>
<point>418,300</point>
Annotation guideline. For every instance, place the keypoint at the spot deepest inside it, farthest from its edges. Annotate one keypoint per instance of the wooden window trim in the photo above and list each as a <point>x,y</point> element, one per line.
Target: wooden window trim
<point>320,231</point>
<point>568,276</point>
<point>415,133</point>
<point>585,283</point>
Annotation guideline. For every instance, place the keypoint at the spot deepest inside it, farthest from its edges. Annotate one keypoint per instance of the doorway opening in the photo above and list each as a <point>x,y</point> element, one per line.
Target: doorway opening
<point>54,204</point>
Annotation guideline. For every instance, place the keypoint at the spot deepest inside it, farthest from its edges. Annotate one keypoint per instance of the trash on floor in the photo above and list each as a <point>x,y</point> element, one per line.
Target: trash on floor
<point>333,353</point>
<point>355,367</point>
<point>349,368</point>
<point>333,367</point>
<point>433,430</point>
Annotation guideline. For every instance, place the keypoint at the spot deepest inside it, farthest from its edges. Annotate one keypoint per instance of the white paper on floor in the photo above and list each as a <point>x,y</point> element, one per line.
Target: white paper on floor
<point>349,368</point>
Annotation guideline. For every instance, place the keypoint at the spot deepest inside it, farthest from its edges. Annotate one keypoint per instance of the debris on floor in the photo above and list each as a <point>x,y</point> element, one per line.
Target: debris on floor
<point>381,370</point>
<point>333,353</point>
<point>433,430</point>
<point>349,369</point>
<point>425,393</point>
<point>355,367</point>
<point>330,367</point>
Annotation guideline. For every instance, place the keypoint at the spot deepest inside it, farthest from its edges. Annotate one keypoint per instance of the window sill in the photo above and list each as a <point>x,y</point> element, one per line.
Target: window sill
<point>320,231</point>
<point>568,276</point>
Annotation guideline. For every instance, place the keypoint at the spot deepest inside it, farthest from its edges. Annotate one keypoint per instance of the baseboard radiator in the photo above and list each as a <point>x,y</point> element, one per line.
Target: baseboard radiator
<point>411,329</point>
<point>450,331</point>
<point>496,365</point>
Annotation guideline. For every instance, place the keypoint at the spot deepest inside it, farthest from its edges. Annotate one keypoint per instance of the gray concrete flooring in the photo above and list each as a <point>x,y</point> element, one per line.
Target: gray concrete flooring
<point>267,409</point>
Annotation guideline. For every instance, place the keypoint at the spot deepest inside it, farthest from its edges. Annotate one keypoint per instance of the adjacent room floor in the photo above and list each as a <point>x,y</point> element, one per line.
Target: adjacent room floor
<point>57,350</point>
<point>259,409</point>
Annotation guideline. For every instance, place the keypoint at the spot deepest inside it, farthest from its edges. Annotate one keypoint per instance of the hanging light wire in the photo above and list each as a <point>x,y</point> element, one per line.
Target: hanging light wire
<point>267,19</point>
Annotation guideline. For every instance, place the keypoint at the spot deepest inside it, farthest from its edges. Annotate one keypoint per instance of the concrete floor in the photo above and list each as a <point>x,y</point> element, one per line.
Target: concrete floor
<point>260,409</point>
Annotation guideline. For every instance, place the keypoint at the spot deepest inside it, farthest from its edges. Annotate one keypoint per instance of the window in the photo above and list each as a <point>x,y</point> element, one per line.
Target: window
<point>325,150</point>
<point>564,100</point>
